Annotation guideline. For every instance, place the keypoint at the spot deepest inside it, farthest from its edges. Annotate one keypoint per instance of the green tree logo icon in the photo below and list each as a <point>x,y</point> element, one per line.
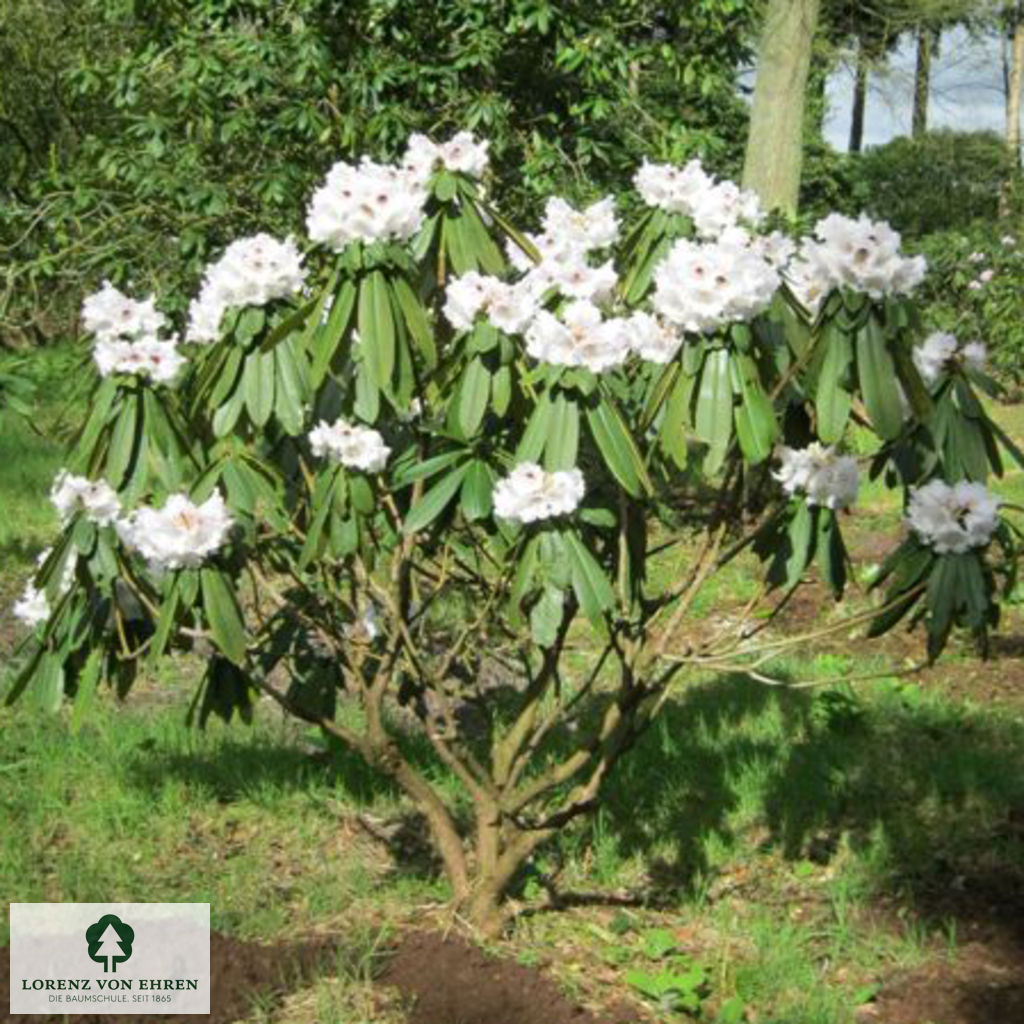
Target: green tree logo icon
<point>110,942</point>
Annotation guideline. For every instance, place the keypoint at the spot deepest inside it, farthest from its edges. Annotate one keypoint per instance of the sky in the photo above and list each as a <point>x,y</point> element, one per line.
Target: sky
<point>967,91</point>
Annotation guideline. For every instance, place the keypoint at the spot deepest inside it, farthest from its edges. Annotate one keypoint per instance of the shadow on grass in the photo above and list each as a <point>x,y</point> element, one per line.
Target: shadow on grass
<point>931,792</point>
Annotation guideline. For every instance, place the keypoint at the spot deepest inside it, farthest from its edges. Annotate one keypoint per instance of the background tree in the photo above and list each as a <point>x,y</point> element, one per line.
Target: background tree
<point>775,140</point>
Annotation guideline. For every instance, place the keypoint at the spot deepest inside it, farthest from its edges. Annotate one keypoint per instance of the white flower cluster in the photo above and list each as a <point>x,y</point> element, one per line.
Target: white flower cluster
<point>953,518</point>
<point>565,244</point>
<point>366,202</point>
<point>860,254</point>
<point>714,206</point>
<point>580,336</point>
<point>823,477</point>
<point>351,444</point>
<point>462,153</point>
<point>32,607</point>
<point>701,286</point>
<point>126,336</point>
<point>179,535</point>
<point>653,339</point>
<point>252,272</point>
<point>97,499</point>
<point>530,493</point>
<point>935,354</point>
<point>510,307</point>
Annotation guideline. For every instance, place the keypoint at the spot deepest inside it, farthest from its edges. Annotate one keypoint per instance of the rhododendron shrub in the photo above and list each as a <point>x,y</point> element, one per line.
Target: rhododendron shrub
<point>427,461</point>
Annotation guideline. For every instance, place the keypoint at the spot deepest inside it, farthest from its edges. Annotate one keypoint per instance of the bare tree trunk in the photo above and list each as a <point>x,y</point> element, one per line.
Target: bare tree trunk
<point>860,95</point>
<point>922,81</point>
<point>1013,88</point>
<point>774,154</point>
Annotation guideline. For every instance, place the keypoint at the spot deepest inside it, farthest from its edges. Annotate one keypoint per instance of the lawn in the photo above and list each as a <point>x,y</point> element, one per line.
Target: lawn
<point>781,856</point>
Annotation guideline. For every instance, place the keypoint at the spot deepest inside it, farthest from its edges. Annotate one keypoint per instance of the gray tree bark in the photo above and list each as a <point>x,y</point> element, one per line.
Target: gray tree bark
<point>860,95</point>
<point>922,81</point>
<point>774,155</point>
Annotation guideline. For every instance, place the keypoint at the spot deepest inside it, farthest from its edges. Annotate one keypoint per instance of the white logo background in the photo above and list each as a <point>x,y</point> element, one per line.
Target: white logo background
<point>172,940</point>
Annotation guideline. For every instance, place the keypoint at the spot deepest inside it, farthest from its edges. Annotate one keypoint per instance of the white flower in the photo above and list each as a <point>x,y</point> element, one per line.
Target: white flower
<point>810,281</point>
<point>179,535</point>
<point>975,286</point>
<point>582,337</point>
<point>462,153</point>
<point>713,206</point>
<point>150,357</point>
<point>704,286</point>
<point>975,356</point>
<point>653,339</point>
<point>252,272</point>
<point>368,202</point>
<point>110,314</point>
<point>935,354</point>
<point>777,249</point>
<point>32,607</point>
<point>530,493</point>
<point>823,477</point>
<point>351,444</point>
<point>986,275</point>
<point>575,278</point>
<point>509,307</point>
<point>976,257</point>
<point>596,227</point>
<point>953,519</point>
<point>1008,240</point>
<point>97,499</point>
<point>863,255</point>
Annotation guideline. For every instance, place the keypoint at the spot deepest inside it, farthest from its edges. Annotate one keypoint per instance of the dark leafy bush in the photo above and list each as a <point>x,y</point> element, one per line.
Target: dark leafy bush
<point>944,181</point>
<point>147,134</point>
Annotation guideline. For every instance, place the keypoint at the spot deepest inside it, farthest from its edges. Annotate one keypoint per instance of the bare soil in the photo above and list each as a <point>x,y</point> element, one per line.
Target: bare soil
<point>448,980</point>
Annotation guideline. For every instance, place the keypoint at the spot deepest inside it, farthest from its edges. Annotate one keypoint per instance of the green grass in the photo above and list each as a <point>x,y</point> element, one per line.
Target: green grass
<point>744,805</point>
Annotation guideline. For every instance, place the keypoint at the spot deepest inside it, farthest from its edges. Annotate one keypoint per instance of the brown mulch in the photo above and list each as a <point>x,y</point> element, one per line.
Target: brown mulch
<point>448,980</point>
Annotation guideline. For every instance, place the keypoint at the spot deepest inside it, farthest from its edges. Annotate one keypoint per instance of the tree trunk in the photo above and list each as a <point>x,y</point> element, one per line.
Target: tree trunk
<point>775,142</point>
<point>922,81</point>
<point>860,95</point>
<point>1013,87</point>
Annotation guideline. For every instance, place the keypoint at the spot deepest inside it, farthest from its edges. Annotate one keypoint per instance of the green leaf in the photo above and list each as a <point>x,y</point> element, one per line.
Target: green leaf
<point>88,679</point>
<point>376,329</point>
<point>832,398</point>
<point>477,490</point>
<point>223,615</point>
<point>756,427</point>
<point>562,445</point>
<point>48,683</point>
<point>416,320</point>
<point>592,588</point>
<point>713,418</point>
<point>878,384</point>
<point>324,341</point>
<point>434,501</point>
<point>123,440</point>
<point>618,449</point>
<point>473,395</point>
<point>535,436</point>
<point>546,616</point>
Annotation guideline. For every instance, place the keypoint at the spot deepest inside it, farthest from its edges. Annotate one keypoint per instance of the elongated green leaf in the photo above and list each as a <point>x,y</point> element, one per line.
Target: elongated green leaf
<point>756,427</point>
<point>412,471</point>
<point>324,341</point>
<point>223,615</point>
<point>288,394</point>
<point>876,373</point>
<point>617,447</point>
<point>376,328</point>
<point>832,398</point>
<point>48,683</point>
<point>592,588</point>
<point>124,439</point>
<point>88,679</point>
<point>714,412</point>
<point>292,323</point>
<point>564,434</point>
<point>434,501</point>
<point>477,490</point>
<point>473,395</point>
<point>416,320</point>
<point>536,433</point>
